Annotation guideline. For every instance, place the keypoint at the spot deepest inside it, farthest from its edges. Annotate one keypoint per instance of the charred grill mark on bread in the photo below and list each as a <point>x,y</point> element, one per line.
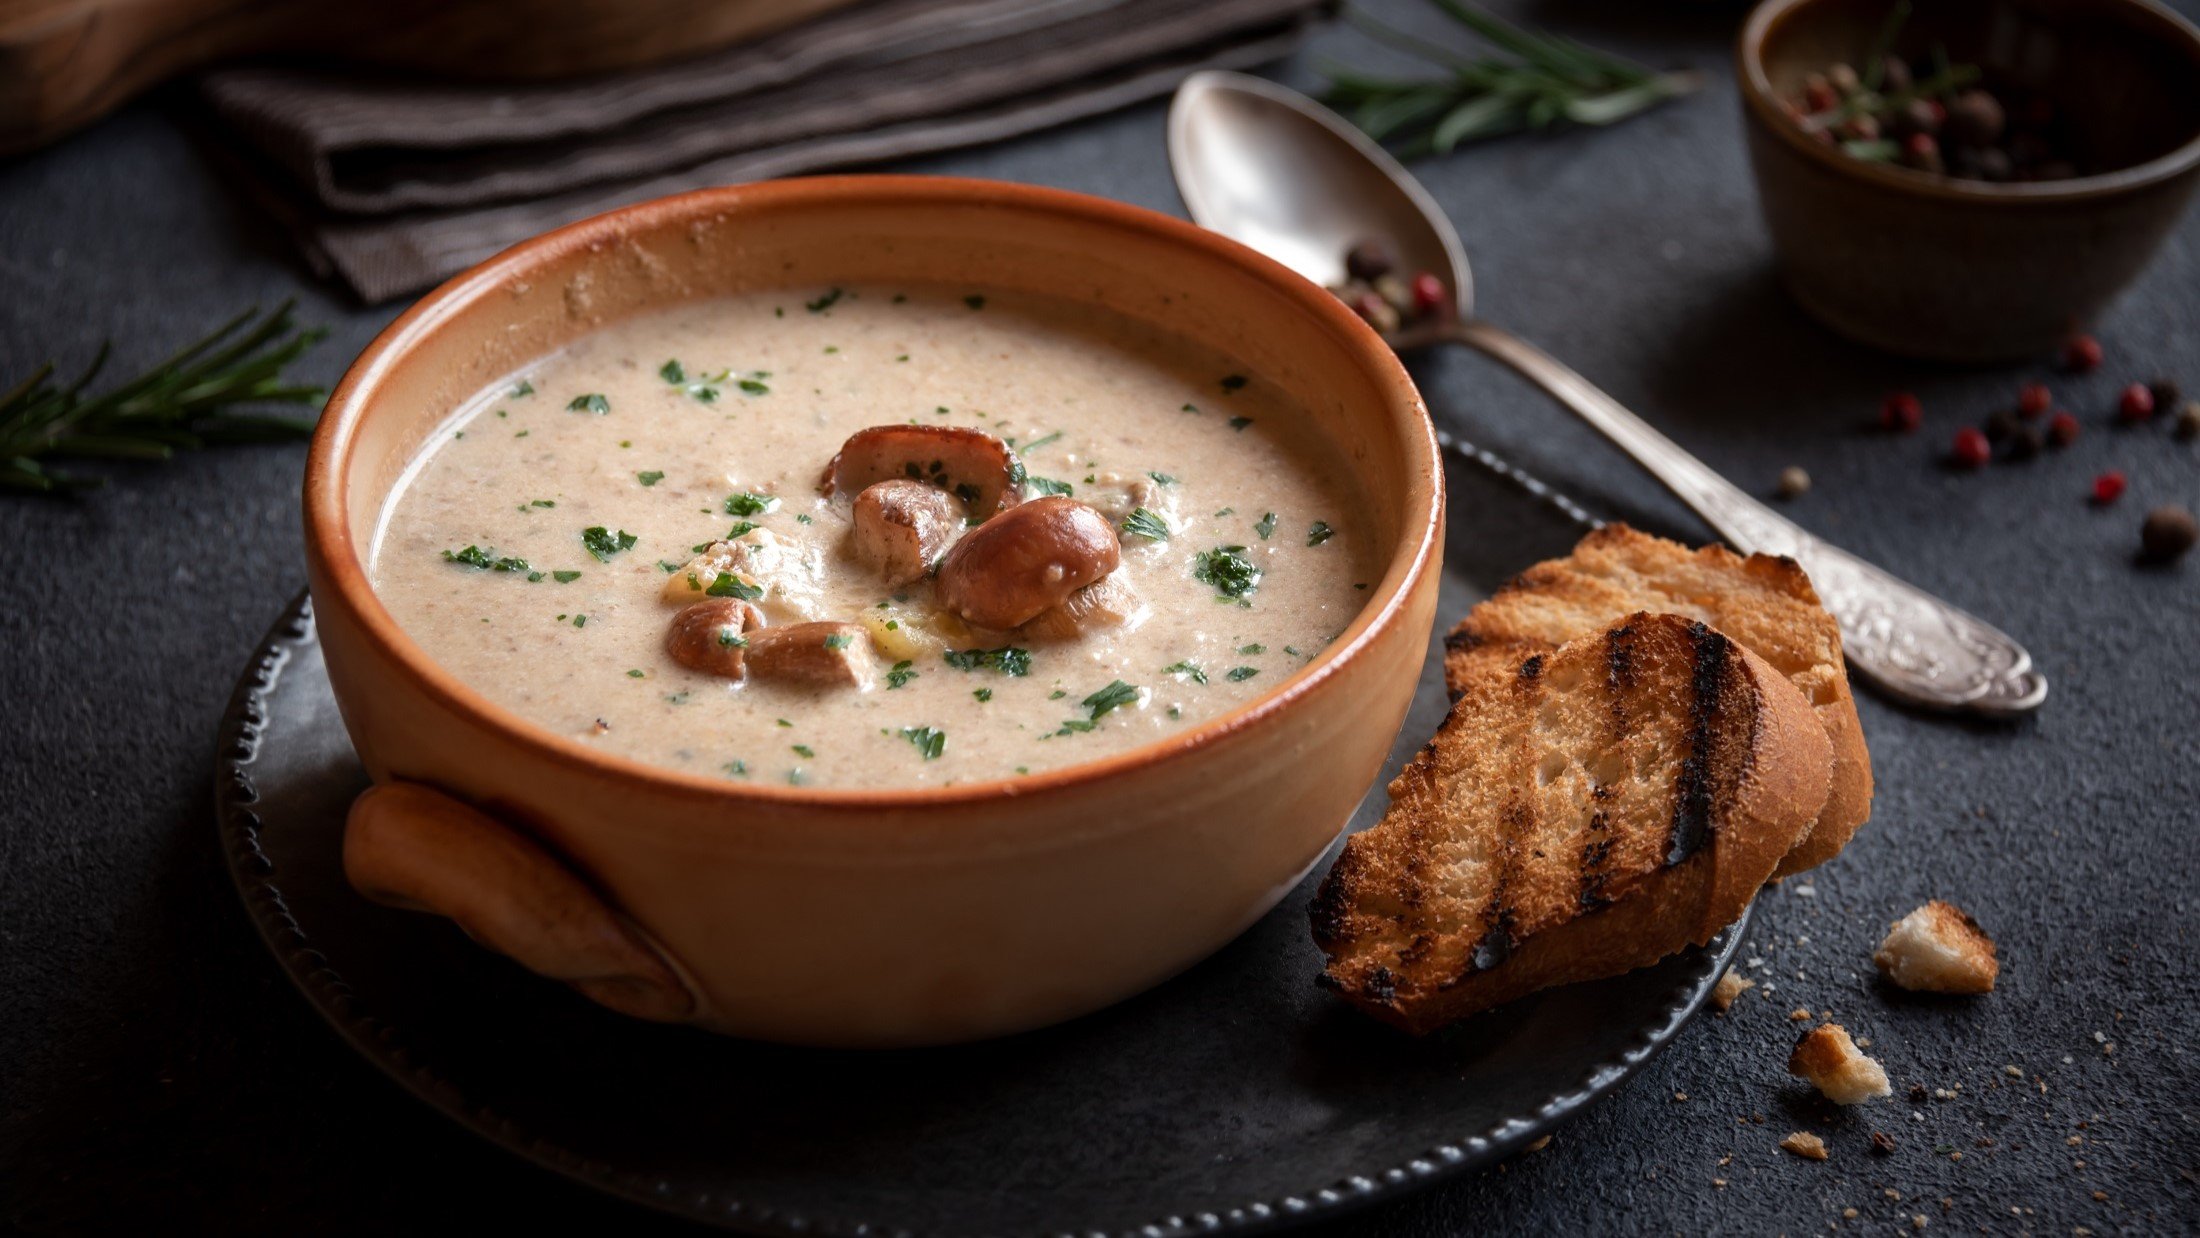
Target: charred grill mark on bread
<point>1712,664</point>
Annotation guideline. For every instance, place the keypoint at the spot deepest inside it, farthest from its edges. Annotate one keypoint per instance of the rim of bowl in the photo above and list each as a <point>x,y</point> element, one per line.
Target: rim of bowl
<point>1764,104</point>
<point>326,486</point>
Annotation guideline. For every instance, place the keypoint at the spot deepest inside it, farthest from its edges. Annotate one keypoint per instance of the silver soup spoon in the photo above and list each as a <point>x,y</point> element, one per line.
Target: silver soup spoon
<point>1263,164</point>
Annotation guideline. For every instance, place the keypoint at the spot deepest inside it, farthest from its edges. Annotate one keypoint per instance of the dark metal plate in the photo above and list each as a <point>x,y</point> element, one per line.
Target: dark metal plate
<point>1236,1096</point>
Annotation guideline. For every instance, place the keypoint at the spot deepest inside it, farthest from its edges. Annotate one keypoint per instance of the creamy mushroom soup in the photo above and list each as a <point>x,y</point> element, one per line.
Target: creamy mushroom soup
<point>874,537</point>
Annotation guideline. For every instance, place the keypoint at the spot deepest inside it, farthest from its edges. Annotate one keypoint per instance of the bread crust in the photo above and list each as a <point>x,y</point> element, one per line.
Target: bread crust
<point>1492,876</point>
<point>1764,602</point>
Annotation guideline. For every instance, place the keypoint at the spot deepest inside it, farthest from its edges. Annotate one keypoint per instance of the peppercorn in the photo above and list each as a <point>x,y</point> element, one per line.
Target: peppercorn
<point>2188,422</point>
<point>1794,482</point>
<point>1430,298</point>
<point>2026,442</point>
<point>1918,116</point>
<point>2033,399</point>
<point>2081,354</point>
<point>1376,312</point>
<point>2165,392</point>
<point>1900,412</point>
<point>2062,429</point>
<point>2108,487</point>
<point>1368,260</point>
<point>1818,93</point>
<point>2000,426</point>
<point>1921,152</point>
<point>2136,404</point>
<point>1843,79</point>
<point>1976,118</point>
<point>1394,290</point>
<point>2168,533</point>
<point>1970,449</point>
<point>1862,127</point>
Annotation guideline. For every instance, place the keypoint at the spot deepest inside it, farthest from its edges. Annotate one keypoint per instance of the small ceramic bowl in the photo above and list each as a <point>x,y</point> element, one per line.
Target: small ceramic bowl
<point>862,917</point>
<point>1963,270</point>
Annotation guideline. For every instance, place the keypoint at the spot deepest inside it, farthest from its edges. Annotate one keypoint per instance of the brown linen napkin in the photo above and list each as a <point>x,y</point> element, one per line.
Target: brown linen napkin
<point>393,185</point>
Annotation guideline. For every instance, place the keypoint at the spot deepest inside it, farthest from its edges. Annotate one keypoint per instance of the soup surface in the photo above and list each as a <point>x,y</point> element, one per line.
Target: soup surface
<point>543,543</point>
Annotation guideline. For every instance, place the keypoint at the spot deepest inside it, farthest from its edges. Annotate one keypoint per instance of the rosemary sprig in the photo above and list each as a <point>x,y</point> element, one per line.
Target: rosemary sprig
<point>1539,81</point>
<point>187,402</point>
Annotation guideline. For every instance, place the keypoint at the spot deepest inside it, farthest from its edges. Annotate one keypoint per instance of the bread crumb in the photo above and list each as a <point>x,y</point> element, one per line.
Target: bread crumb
<point>1730,986</point>
<point>1848,1214</point>
<point>1798,1015</point>
<point>1835,1066</point>
<point>1806,1145</point>
<point>1938,949</point>
<point>2014,1072</point>
<point>1539,1144</point>
<point>1917,1221</point>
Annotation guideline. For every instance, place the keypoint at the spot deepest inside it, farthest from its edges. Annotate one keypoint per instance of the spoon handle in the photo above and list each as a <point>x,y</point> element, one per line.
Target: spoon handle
<point>1911,643</point>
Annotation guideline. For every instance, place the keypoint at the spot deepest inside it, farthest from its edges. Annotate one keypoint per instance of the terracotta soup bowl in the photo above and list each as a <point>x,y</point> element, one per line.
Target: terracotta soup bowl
<point>831,917</point>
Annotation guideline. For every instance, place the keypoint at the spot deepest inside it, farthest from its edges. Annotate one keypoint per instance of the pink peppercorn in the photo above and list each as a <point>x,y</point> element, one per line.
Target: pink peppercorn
<point>1430,297</point>
<point>2136,404</point>
<point>2081,354</point>
<point>2108,487</point>
<point>1900,412</point>
<point>2033,399</point>
<point>2062,429</point>
<point>1971,450</point>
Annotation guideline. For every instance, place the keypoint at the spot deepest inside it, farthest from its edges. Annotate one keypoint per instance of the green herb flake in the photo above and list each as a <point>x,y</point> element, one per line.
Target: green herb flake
<point>673,372</point>
<point>794,777</point>
<point>1319,532</point>
<point>542,503</point>
<point>1188,670</point>
<point>1146,523</point>
<point>974,301</point>
<point>749,503</point>
<point>750,386</point>
<point>983,694</point>
<point>522,391</point>
<point>783,722</point>
<point>1113,696</point>
<point>1239,674</point>
<point>729,638</point>
<point>900,673</point>
<point>1233,382</point>
<point>802,518</point>
<point>804,751</point>
<point>565,578</point>
<point>1239,423</point>
<point>738,769</point>
<point>1042,487</point>
<point>1041,441</point>
<point>1255,648</point>
<point>1162,479</point>
<point>839,640</point>
<point>603,544</point>
<point>730,585</point>
<point>1008,660</point>
<point>1232,575</point>
<point>635,674</point>
<point>831,298</point>
<point>534,577</point>
<point>472,556</point>
<point>930,741</point>
<point>593,402</point>
<point>650,477</point>
<point>580,621</point>
<point>1056,695</point>
<point>1265,526</point>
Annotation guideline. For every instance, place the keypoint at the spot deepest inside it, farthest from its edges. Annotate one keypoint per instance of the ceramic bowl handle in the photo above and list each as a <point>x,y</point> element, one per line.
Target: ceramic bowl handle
<point>409,846</point>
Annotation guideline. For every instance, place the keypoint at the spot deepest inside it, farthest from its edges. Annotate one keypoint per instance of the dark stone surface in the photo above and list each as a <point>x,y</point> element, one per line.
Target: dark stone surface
<point>161,1075</point>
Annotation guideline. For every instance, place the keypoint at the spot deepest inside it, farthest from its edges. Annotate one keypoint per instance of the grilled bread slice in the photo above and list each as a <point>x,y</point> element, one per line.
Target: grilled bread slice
<point>1764,603</point>
<point>1614,801</point>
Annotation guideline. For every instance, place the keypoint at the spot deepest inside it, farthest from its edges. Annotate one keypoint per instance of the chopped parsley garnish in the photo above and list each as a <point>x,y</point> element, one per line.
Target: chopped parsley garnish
<point>603,544</point>
<point>542,503</point>
<point>1229,571</point>
<point>1146,523</point>
<point>974,301</point>
<point>1253,648</point>
<point>1191,408</point>
<point>1041,441</point>
<point>729,638</point>
<point>783,722</point>
<point>1233,382</point>
<point>1044,486</point>
<point>930,741</point>
<point>730,585</point>
<point>802,518</point>
<point>826,302</point>
<point>1111,697</point>
<point>1074,726</point>
<point>673,372</point>
<point>650,477</point>
<point>839,640</point>
<point>750,386</point>
<point>472,556</point>
<point>580,621</point>
<point>1265,526</point>
<point>794,777</point>
<point>1056,695</point>
<point>635,674</point>
<point>667,566</point>
<point>1224,512</point>
<point>1162,478</point>
<point>1239,423</point>
<point>739,769</point>
<point>804,751</point>
<point>534,577</point>
<point>983,694</point>
<point>1319,532</point>
<point>523,390</point>
<point>1293,650</point>
<point>1186,669</point>
<point>590,403</point>
<point>565,578</point>
<point>749,503</point>
<point>739,527</point>
<point>1239,674</point>
<point>900,673</point>
<point>1008,660</point>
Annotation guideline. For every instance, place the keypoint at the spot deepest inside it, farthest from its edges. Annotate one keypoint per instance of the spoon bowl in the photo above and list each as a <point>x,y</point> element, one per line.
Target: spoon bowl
<point>1264,165</point>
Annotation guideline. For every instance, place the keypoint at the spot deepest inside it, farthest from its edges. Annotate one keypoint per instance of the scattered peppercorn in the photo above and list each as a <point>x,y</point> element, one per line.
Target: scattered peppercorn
<point>2000,426</point>
<point>2109,487</point>
<point>1430,298</point>
<point>2034,399</point>
<point>1794,482</point>
<point>1368,260</point>
<point>2165,392</point>
<point>1385,301</point>
<point>2168,533</point>
<point>1901,413</point>
<point>1882,1142</point>
<point>2188,422</point>
<point>2136,404</point>
<point>2062,429</point>
<point>2081,354</point>
<point>1922,152</point>
<point>2026,442</point>
<point>1970,449</point>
